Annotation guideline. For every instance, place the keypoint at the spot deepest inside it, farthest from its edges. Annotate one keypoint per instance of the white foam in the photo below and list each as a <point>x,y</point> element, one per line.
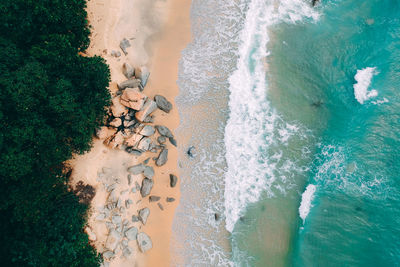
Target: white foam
<point>252,126</point>
<point>306,201</point>
<point>363,78</point>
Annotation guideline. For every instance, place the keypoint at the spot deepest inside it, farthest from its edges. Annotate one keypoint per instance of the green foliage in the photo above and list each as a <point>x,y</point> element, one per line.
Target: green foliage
<point>51,100</point>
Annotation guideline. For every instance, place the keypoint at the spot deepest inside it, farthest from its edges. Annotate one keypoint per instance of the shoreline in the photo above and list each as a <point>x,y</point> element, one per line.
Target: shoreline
<point>158,46</point>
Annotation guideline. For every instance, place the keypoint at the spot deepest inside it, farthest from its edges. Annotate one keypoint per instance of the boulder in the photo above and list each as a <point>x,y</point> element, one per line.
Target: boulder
<point>116,219</point>
<point>173,141</point>
<point>131,233</point>
<point>128,70</point>
<point>131,83</point>
<point>147,130</point>
<point>115,140</point>
<point>127,251</point>
<point>149,119</point>
<point>113,239</point>
<point>124,44</point>
<point>163,103</point>
<point>173,180</point>
<point>136,169</point>
<point>144,144</point>
<point>133,151</point>
<point>148,107</point>
<point>116,122</point>
<point>108,255</point>
<point>161,139</point>
<point>164,131</point>
<point>105,132</point>
<point>154,198</point>
<point>144,214</point>
<point>162,157</point>
<point>143,74</point>
<point>135,218</point>
<point>132,98</point>
<point>148,172</point>
<point>128,123</point>
<point>133,140</point>
<point>117,108</point>
<point>144,242</point>
<point>170,199</point>
<point>147,185</point>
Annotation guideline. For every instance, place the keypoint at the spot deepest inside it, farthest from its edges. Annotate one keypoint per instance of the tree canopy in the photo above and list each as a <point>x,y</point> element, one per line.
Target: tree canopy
<point>51,100</point>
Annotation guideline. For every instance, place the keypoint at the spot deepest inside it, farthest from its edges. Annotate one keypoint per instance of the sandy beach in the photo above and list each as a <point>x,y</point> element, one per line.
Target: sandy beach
<point>157,32</point>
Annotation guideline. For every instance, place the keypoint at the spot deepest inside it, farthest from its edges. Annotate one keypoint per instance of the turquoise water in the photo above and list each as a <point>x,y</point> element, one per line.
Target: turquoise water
<point>295,115</point>
<point>354,160</point>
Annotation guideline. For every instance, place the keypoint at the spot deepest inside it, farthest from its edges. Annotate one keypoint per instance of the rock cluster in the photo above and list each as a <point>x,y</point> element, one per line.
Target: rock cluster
<point>130,127</point>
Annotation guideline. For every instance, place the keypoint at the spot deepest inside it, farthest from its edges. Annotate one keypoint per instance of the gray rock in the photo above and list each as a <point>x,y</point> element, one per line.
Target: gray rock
<point>144,242</point>
<point>124,44</point>
<point>144,214</point>
<point>131,233</point>
<point>148,107</point>
<point>163,103</point>
<point>136,169</point>
<point>172,141</point>
<point>216,216</point>
<point>124,191</point>
<point>135,218</point>
<point>146,161</point>
<point>148,172</point>
<point>113,239</point>
<point>134,190</point>
<point>115,53</point>
<point>124,243</point>
<point>111,187</point>
<point>129,179</point>
<point>161,139</point>
<point>164,131</point>
<point>131,83</point>
<point>173,180</point>
<point>149,119</point>
<point>128,70</point>
<point>144,144</point>
<point>170,199</point>
<point>108,255</point>
<point>143,74</point>
<point>116,219</point>
<point>191,152</point>
<point>137,186</point>
<point>162,157</point>
<point>133,151</point>
<point>147,130</point>
<point>154,198</point>
<point>160,206</point>
<point>100,217</point>
<point>127,251</point>
<point>128,203</point>
<point>147,185</point>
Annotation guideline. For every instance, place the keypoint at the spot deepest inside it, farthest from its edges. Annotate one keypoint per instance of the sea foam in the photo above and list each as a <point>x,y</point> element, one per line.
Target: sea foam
<point>252,125</point>
<point>363,78</point>
<point>306,201</point>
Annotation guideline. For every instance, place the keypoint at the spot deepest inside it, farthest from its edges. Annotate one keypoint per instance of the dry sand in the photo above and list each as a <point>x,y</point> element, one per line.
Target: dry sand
<point>158,30</point>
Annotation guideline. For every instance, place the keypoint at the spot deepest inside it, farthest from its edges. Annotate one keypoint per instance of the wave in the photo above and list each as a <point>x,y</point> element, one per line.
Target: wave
<point>306,201</point>
<point>253,125</point>
<point>363,78</point>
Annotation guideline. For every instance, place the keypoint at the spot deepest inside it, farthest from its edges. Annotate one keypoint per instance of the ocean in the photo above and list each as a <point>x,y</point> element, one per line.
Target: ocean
<point>294,114</point>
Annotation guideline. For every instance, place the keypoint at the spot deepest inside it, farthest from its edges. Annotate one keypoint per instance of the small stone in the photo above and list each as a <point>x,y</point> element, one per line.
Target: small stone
<point>149,119</point>
<point>216,216</point>
<point>161,139</point>
<point>128,70</point>
<point>137,186</point>
<point>133,190</point>
<point>90,233</point>
<point>170,199</point>
<point>191,152</point>
<point>163,103</point>
<point>172,141</point>
<point>131,83</point>
<point>164,131</point>
<point>116,219</point>
<point>126,252</point>
<point>144,144</point>
<point>144,242</point>
<point>128,203</point>
<point>146,161</point>
<point>144,214</point>
<point>131,233</point>
<point>147,185</point>
<point>129,179</point>
<point>113,239</point>
<point>160,206</point>
<point>133,151</point>
<point>136,169</point>
<point>135,218</point>
<point>115,53</point>
<point>108,255</point>
<point>162,157</point>
<point>124,44</point>
<point>173,180</point>
<point>148,172</point>
<point>111,187</point>
<point>133,140</point>
<point>154,198</point>
<point>124,191</point>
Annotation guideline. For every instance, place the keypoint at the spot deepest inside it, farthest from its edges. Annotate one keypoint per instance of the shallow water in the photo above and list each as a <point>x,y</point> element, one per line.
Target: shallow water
<point>281,97</point>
